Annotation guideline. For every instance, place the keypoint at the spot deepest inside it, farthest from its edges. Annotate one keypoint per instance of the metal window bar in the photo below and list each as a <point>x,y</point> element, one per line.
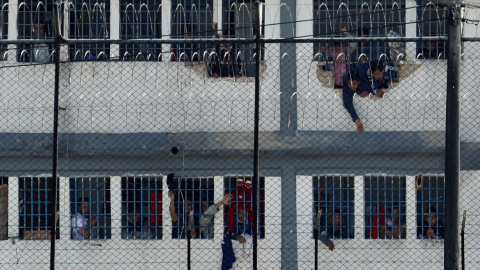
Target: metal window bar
<point>243,206</point>
<point>431,207</point>
<point>142,207</point>
<point>35,21</point>
<point>362,18</point>
<point>192,194</point>
<point>238,21</point>
<point>3,208</point>
<point>89,19</point>
<point>334,195</point>
<point>34,203</point>
<point>3,28</point>
<point>97,191</point>
<point>140,19</point>
<point>385,205</point>
<point>432,20</point>
<point>191,19</point>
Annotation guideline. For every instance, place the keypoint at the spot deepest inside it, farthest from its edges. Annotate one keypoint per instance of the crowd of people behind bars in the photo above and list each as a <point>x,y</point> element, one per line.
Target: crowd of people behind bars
<point>385,222</point>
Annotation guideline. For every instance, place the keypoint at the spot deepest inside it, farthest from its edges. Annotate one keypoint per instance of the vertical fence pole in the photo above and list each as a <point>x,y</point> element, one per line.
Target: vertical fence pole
<point>462,239</point>
<point>259,8</point>
<point>452,148</point>
<point>317,224</point>
<point>53,207</point>
<point>189,228</point>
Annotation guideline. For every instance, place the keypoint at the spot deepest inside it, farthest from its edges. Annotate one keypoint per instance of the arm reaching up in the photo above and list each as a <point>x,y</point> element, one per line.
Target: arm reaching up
<point>172,207</point>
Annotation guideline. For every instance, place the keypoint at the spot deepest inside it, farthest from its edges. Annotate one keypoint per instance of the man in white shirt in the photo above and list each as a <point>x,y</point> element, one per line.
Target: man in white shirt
<point>41,53</point>
<point>206,220</point>
<point>84,226</point>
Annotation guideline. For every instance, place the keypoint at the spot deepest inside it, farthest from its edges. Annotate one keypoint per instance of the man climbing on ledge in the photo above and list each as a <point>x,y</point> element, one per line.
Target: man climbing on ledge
<point>351,83</point>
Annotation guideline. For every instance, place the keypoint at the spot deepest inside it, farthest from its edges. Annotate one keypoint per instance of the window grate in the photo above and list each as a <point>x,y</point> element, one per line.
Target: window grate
<point>385,207</point>
<point>239,21</point>
<point>142,207</point>
<point>363,18</point>
<point>96,219</point>
<point>191,19</point>
<point>35,21</point>
<point>35,195</point>
<point>89,19</point>
<point>432,22</point>
<point>192,195</point>
<point>334,196</point>
<point>430,207</point>
<point>140,19</point>
<point>241,208</point>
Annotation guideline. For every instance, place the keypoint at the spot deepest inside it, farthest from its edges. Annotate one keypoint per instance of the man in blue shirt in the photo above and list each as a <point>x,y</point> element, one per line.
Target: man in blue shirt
<point>367,52</point>
<point>351,83</point>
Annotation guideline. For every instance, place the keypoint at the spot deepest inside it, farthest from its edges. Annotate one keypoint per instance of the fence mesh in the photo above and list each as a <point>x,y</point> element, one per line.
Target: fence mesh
<point>156,152</point>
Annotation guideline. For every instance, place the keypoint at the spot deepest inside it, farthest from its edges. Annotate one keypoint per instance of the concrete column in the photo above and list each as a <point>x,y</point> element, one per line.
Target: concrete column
<point>288,70</point>
<point>218,220</point>
<point>411,208</point>
<point>12,29</point>
<point>218,14</point>
<point>411,28</point>
<point>13,209</point>
<point>114,27</point>
<point>272,16</point>
<point>166,28</point>
<point>116,198</point>
<point>64,55</point>
<point>359,207</point>
<point>289,219</point>
<point>305,13</point>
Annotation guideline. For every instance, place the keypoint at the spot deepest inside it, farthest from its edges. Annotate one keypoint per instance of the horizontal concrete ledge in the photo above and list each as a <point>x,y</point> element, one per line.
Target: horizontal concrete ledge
<point>228,143</point>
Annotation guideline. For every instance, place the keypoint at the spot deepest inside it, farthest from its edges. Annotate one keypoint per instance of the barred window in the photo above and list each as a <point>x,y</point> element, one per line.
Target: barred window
<point>3,28</point>
<point>239,21</point>
<point>191,19</point>
<point>90,206</point>
<point>35,21</point>
<point>375,18</point>
<point>140,19</point>
<point>430,206</point>
<point>142,207</point>
<point>385,207</point>
<point>192,198</point>
<point>239,18</point>
<point>89,19</point>
<point>238,216</point>
<point>35,202</point>
<point>3,208</point>
<point>334,196</point>
<point>432,23</point>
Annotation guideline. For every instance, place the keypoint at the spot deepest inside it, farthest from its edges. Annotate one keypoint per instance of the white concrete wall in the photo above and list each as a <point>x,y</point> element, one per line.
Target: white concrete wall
<point>133,97</point>
<point>125,97</point>
<point>416,103</point>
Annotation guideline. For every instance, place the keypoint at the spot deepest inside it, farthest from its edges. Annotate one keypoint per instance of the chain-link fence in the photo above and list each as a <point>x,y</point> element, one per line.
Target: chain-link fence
<point>156,153</point>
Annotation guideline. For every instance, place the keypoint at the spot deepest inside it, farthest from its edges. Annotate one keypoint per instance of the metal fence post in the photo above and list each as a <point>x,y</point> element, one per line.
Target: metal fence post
<point>452,140</point>
<point>258,9</point>
<point>53,207</point>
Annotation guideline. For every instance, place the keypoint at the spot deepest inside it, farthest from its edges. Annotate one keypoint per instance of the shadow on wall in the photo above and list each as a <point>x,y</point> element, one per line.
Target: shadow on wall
<point>200,68</point>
